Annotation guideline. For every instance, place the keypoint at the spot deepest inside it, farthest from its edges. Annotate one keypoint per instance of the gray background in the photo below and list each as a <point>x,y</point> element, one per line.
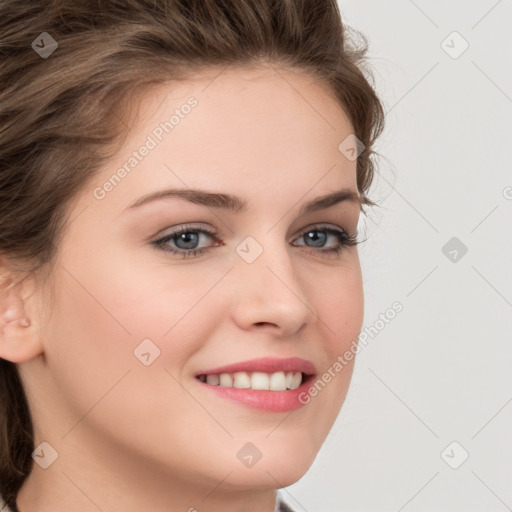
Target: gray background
<point>441,371</point>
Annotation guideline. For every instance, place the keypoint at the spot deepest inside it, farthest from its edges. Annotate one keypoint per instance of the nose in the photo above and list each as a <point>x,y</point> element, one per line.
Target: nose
<point>271,294</point>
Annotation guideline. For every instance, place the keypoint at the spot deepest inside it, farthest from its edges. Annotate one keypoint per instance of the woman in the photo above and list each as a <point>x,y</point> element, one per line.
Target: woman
<point>181,183</point>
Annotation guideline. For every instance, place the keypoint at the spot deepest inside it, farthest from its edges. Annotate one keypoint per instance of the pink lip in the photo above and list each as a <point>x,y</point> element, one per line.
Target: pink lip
<point>265,365</point>
<point>271,401</point>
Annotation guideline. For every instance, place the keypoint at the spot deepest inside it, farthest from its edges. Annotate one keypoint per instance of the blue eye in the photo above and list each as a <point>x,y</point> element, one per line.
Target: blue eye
<point>186,239</point>
<point>344,239</point>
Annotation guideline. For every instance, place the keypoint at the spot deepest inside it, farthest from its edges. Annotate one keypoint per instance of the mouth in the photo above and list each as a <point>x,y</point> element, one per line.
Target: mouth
<point>269,384</point>
<point>259,381</point>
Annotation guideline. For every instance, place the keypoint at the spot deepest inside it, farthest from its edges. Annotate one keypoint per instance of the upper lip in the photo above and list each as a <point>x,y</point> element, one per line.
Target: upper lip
<point>265,365</point>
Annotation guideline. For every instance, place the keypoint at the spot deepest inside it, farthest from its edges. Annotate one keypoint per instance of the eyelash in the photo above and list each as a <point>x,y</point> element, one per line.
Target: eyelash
<point>345,240</point>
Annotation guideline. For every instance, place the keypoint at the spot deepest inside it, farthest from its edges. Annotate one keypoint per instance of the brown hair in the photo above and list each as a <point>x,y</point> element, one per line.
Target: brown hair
<point>62,115</point>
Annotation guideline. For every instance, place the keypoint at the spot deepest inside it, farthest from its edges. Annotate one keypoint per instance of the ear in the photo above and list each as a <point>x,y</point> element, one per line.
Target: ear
<point>19,333</point>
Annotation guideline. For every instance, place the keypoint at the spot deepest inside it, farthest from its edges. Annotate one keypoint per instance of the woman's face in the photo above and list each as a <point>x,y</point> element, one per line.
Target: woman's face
<point>134,323</point>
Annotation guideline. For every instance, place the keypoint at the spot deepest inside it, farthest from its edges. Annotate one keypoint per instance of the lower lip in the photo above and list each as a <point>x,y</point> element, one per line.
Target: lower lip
<point>271,401</point>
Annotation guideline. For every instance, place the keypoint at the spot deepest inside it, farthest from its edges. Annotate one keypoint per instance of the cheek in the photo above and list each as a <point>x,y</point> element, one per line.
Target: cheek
<point>95,328</point>
<point>105,312</point>
<point>339,303</point>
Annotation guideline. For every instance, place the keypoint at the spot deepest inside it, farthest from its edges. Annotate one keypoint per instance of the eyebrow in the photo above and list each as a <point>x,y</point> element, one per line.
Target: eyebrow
<point>239,205</point>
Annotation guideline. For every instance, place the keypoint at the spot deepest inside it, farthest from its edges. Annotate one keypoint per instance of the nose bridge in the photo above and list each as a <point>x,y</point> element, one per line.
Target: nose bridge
<point>266,258</point>
<point>270,290</point>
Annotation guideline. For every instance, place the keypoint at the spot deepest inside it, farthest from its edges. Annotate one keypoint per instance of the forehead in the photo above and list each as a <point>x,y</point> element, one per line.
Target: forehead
<point>246,131</point>
<point>246,104</point>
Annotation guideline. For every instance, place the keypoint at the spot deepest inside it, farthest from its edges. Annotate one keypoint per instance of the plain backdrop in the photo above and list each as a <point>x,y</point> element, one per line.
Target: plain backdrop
<point>427,423</point>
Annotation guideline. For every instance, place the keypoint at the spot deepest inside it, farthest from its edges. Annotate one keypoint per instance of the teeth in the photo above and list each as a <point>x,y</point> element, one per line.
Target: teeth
<point>226,380</point>
<point>213,380</point>
<point>241,380</point>
<point>278,381</point>
<point>297,378</point>
<point>260,381</point>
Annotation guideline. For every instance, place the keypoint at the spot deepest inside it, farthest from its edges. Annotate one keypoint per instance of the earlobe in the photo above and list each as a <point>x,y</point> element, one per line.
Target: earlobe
<point>19,339</point>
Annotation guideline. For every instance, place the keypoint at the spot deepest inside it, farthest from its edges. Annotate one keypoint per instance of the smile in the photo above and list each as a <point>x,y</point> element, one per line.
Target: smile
<point>277,381</point>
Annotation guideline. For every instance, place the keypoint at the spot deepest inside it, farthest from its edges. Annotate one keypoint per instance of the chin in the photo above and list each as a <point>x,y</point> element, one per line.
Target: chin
<point>269,476</point>
<point>281,464</point>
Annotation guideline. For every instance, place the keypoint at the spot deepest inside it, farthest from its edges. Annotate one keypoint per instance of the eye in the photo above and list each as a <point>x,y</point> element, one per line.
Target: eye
<point>186,238</point>
<point>342,237</point>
